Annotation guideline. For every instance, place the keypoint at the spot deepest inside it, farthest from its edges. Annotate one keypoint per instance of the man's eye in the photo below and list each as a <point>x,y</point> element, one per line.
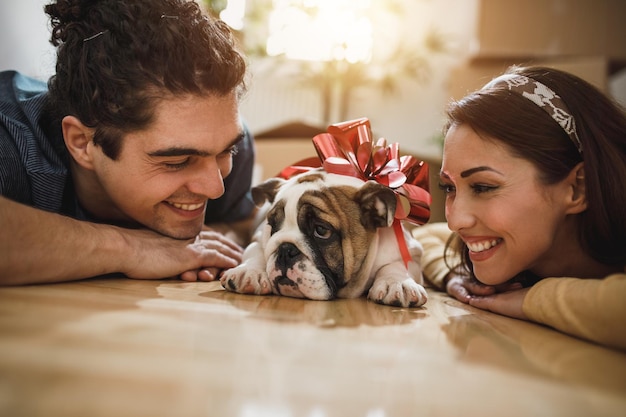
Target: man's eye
<point>232,151</point>
<point>174,166</point>
<point>228,154</point>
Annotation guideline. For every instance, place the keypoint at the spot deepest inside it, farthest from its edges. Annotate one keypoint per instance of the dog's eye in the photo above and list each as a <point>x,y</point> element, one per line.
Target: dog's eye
<point>322,232</point>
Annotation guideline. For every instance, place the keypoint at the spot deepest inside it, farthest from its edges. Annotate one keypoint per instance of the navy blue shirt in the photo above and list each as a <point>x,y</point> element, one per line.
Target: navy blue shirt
<point>34,163</point>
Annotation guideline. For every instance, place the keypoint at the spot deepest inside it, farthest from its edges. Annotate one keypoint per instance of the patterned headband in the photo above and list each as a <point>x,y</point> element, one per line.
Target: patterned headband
<point>543,97</point>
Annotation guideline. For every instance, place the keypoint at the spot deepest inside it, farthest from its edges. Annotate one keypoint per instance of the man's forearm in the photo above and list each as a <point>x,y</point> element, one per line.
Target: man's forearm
<point>38,246</point>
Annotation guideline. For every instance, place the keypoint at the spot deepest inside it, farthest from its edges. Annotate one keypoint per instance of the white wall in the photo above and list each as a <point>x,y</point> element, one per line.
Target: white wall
<point>24,35</point>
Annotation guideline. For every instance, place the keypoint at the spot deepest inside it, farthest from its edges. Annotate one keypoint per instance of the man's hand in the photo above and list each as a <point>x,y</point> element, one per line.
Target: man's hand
<point>234,235</point>
<point>199,259</point>
<point>224,245</point>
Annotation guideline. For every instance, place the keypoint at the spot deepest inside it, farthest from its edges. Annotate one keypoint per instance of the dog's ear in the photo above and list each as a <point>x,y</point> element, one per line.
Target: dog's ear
<point>377,203</point>
<point>266,191</point>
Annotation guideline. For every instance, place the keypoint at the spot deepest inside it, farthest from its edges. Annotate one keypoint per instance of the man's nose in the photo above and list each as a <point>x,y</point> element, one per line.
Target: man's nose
<point>207,181</point>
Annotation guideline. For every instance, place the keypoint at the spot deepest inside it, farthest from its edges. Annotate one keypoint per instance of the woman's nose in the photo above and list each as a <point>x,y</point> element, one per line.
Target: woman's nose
<point>459,214</point>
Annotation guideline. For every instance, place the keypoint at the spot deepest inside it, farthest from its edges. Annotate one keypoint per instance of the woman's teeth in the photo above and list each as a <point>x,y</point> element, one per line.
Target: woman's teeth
<point>187,207</point>
<point>483,246</point>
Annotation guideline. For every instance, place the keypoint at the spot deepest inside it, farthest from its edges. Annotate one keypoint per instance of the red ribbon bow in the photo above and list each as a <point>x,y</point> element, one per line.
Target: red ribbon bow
<point>347,149</point>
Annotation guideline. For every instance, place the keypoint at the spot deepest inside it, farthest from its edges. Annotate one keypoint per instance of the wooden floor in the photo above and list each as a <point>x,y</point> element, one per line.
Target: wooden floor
<point>119,347</point>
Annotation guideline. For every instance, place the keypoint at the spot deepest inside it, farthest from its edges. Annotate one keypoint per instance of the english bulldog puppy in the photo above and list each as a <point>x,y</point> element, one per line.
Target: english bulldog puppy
<point>326,236</point>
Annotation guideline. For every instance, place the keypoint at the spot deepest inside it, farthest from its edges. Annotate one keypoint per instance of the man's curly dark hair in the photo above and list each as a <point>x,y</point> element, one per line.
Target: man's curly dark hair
<point>117,58</point>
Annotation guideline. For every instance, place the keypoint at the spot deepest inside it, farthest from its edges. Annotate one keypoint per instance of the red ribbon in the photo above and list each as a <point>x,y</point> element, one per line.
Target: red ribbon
<point>347,149</point>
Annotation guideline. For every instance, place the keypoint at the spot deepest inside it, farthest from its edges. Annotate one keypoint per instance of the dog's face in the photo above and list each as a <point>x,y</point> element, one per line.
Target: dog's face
<point>321,230</point>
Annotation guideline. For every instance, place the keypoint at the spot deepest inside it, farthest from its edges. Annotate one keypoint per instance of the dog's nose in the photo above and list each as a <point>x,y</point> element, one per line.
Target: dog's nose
<point>287,252</point>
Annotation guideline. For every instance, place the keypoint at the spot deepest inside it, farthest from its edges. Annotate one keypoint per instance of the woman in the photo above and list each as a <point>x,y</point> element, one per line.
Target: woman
<point>534,170</point>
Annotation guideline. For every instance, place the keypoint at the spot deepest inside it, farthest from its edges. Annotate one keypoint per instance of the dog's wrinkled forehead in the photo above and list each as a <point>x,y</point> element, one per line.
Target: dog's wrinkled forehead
<point>314,180</point>
<point>299,184</point>
<point>291,191</point>
<point>287,198</point>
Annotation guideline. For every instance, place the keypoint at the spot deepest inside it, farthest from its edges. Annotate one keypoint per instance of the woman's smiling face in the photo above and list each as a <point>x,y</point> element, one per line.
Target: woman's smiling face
<point>510,221</point>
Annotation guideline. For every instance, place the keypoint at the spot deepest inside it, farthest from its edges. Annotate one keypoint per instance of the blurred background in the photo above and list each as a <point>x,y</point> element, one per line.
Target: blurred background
<point>397,62</point>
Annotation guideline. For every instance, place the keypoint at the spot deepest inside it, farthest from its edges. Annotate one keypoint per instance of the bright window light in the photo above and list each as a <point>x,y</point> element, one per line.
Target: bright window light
<point>234,13</point>
<point>321,30</point>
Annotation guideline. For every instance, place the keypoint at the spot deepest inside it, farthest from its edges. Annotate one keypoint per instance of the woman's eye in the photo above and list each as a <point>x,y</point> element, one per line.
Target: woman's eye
<point>481,188</point>
<point>322,232</point>
<point>476,188</point>
<point>446,188</point>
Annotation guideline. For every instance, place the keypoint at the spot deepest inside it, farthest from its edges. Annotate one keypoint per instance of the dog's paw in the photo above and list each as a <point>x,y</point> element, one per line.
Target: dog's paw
<point>246,281</point>
<point>392,292</point>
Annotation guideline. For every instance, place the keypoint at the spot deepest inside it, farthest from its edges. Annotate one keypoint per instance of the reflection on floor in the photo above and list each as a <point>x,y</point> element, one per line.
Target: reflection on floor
<point>169,348</point>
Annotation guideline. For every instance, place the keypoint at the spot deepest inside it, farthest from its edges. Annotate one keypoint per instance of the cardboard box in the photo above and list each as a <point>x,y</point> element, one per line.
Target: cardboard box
<point>474,74</point>
<point>550,28</point>
<point>275,154</point>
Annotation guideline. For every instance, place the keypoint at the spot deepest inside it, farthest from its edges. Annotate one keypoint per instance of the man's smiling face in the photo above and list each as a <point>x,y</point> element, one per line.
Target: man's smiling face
<point>165,174</point>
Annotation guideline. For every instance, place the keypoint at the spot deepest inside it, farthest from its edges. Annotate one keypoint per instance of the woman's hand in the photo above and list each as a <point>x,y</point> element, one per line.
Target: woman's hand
<point>463,287</point>
<point>507,303</point>
<point>505,299</point>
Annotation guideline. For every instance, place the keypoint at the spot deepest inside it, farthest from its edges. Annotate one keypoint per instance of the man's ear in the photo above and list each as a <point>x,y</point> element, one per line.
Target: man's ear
<point>78,140</point>
<point>577,198</point>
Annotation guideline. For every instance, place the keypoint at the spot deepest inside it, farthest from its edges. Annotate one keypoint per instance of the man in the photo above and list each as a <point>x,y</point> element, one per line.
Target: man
<point>136,146</point>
